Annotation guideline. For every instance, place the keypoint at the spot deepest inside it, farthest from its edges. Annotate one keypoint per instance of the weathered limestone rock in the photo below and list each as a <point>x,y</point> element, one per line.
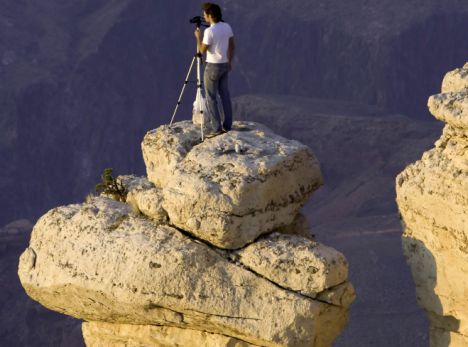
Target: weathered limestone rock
<point>456,80</point>
<point>451,108</point>
<point>165,147</point>
<point>147,199</point>
<point>98,334</point>
<point>432,196</point>
<point>232,188</point>
<point>146,273</point>
<point>101,262</point>
<point>144,197</point>
<point>296,263</point>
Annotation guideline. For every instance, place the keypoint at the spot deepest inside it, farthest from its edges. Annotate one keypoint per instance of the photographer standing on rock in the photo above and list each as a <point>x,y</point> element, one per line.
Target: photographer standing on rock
<point>218,43</point>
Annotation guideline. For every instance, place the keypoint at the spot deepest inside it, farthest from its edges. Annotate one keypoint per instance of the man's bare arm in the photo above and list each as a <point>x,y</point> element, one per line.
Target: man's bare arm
<point>231,49</point>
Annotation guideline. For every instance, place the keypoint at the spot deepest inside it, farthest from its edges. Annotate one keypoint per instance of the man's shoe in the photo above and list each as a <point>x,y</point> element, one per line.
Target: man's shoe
<point>209,136</point>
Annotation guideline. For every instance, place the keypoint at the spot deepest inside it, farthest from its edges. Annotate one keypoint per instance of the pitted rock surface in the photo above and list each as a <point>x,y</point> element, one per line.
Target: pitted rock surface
<point>294,262</point>
<point>232,188</point>
<point>166,146</point>
<point>451,108</point>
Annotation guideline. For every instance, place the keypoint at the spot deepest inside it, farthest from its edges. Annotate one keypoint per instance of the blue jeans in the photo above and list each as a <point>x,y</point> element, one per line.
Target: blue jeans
<point>216,81</point>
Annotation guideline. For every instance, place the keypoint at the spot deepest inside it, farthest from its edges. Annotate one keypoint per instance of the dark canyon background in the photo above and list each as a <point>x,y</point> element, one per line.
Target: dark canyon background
<point>82,81</point>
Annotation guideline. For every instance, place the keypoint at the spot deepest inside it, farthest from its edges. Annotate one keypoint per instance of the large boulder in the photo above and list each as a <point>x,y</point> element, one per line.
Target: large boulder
<point>432,196</point>
<point>230,189</point>
<point>103,263</point>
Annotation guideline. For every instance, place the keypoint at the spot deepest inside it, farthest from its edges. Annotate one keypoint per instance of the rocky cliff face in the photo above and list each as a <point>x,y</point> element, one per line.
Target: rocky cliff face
<point>432,195</point>
<point>209,251</point>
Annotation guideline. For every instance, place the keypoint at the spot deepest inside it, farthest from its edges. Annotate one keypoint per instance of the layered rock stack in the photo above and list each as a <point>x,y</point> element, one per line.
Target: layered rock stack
<point>208,250</point>
<point>432,196</point>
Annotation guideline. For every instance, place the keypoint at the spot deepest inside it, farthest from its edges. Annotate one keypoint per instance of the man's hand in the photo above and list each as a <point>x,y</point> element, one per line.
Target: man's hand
<point>197,34</point>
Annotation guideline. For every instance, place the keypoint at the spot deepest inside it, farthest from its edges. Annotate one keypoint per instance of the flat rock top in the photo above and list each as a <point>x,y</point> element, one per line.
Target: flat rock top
<point>257,142</point>
<point>249,152</point>
<point>250,147</point>
<point>228,166</point>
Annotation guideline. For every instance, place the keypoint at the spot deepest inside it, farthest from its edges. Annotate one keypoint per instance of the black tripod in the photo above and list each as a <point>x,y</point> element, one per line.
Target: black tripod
<point>198,57</point>
<point>199,105</point>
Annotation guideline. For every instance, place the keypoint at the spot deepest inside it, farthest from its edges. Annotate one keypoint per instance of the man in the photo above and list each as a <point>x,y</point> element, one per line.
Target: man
<point>218,44</point>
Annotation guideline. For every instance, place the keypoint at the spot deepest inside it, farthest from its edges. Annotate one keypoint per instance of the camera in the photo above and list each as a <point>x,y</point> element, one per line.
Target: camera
<point>198,21</point>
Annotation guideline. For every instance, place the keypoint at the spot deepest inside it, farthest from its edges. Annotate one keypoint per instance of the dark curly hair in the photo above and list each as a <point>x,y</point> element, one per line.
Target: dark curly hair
<point>213,10</point>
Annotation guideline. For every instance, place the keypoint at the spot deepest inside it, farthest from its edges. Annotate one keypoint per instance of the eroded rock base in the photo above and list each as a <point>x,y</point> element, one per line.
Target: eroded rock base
<point>99,334</point>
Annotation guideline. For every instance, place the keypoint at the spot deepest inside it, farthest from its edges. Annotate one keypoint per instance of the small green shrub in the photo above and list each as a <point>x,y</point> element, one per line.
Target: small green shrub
<point>111,187</point>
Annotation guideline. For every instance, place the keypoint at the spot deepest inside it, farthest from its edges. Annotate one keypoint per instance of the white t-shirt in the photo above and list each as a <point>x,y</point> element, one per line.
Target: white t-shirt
<point>217,38</point>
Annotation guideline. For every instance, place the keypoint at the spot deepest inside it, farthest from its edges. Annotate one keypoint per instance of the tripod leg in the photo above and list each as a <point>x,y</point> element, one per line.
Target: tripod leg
<point>199,87</point>
<point>201,107</point>
<point>182,91</point>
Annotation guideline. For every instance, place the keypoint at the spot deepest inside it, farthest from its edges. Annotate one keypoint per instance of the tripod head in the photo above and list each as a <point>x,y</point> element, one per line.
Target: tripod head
<point>199,22</point>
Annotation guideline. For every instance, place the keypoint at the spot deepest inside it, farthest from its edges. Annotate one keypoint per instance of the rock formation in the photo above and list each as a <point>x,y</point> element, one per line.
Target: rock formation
<point>233,188</point>
<point>432,195</point>
<point>208,251</point>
